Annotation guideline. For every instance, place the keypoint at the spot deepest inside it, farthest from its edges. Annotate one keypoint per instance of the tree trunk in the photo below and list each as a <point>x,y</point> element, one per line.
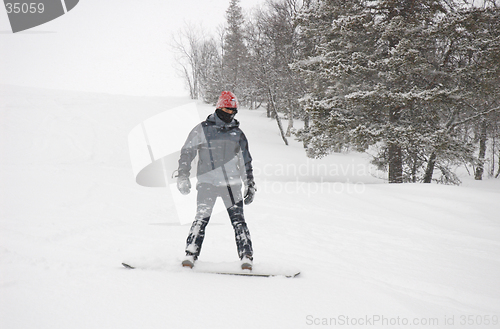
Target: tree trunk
<point>478,175</point>
<point>430,168</point>
<point>498,172</point>
<point>395,153</point>
<point>290,122</point>
<point>414,169</point>
<point>306,128</point>
<point>493,147</point>
<point>278,120</point>
<point>395,164</point>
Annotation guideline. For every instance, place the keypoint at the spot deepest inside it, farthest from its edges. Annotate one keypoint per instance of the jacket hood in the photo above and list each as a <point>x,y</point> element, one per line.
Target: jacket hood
<point>219,123</point>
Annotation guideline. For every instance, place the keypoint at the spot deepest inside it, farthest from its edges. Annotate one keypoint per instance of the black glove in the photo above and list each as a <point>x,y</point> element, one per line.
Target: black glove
<point>183,184</point>
<point>249,191</point>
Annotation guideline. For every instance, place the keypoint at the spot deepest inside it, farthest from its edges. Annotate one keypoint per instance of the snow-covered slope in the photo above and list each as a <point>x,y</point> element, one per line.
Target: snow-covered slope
<point>371,254</point>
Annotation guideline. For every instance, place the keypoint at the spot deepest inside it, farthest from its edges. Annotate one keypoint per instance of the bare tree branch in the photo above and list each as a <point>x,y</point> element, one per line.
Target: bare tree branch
<point>476,116</point>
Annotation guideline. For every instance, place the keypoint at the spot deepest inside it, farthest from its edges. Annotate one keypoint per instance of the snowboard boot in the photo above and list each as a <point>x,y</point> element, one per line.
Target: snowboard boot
<point>246,262</point>
<point>189,260</point>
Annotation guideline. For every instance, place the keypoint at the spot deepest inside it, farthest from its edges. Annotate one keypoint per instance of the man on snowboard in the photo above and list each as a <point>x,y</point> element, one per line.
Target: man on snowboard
<point>224,162</point>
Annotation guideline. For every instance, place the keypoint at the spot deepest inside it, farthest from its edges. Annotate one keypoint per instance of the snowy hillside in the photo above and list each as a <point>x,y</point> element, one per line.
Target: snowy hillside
<point>371,255</point>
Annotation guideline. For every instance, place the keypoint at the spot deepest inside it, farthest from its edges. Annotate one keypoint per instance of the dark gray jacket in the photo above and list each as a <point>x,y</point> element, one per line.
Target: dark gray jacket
<point>223,155</point>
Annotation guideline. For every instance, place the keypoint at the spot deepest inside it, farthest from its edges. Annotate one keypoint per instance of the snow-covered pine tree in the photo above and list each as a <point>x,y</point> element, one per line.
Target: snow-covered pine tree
<point>375,78</point>
<point>235,54</point>
<point>469,39</point>
<point>479,74</point>
<point>324,100</point>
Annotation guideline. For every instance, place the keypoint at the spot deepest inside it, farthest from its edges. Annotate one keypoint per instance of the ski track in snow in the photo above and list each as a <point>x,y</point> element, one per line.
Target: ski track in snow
<point>71,213</point>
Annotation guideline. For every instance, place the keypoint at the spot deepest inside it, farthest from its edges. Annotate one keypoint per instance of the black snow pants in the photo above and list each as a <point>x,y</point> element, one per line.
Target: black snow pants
<point>207,195</point>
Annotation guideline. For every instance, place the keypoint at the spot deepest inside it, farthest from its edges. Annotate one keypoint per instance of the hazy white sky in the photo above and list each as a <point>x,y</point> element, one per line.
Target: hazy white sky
<point>111,46</point>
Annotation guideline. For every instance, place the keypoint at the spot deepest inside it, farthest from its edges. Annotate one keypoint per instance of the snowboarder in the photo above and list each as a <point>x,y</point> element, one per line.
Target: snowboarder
<point>224,163</point>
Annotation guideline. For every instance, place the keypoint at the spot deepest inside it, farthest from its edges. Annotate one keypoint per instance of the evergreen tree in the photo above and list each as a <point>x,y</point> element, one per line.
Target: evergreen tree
<point>471,65</point>
<point>376,78</point>
<point>235,55</point>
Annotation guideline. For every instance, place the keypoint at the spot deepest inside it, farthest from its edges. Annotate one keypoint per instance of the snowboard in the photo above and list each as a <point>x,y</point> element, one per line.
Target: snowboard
<point>291,274</point>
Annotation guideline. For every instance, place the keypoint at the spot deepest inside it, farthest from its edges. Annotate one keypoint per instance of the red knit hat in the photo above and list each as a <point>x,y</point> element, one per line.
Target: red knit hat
<point>228,100</point>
